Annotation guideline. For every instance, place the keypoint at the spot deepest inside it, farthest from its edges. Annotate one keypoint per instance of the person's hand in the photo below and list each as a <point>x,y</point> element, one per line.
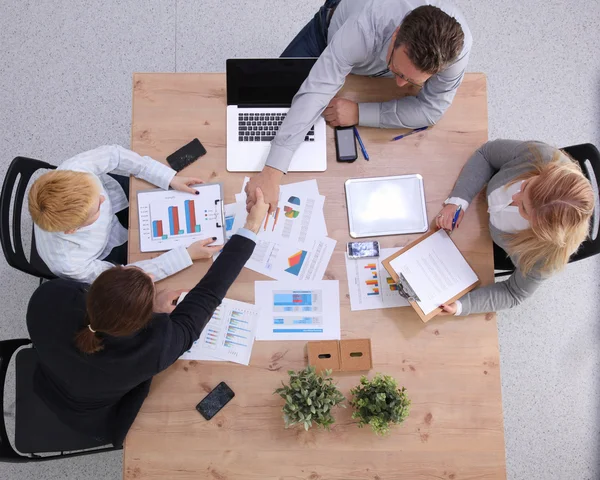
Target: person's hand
<point>183,184</point>
<point>444,218</point>
<point>341,113</point>
<point>165,301</point>
<point>257,212</point>
<point>200,249</point>
<point>268,181</point>
<point>448,309</point>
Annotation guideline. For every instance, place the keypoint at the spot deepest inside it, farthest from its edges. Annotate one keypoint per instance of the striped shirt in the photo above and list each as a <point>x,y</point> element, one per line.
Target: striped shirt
<point>79,255</point>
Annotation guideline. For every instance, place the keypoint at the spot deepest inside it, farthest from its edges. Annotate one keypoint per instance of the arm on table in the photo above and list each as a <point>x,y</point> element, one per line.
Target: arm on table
<point>111,158</point>
<point>348,47</point>
<point>191,316</point>
<point>423,110</point>
<point>501,295</point>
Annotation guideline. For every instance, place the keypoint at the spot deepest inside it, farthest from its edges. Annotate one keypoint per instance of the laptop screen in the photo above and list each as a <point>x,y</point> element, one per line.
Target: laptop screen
<point>266,82</point>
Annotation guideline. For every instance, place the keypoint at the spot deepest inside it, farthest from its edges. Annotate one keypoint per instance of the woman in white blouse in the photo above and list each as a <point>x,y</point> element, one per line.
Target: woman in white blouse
<point>540,206</point>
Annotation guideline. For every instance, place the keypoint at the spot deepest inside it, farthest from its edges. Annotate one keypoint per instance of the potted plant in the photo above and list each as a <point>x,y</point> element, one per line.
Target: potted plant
<point>379,403</point>
<point>309,398</point>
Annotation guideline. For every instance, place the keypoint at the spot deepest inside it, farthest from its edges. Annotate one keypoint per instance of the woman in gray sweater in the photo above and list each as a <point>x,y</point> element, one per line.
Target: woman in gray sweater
<point>540,206</point>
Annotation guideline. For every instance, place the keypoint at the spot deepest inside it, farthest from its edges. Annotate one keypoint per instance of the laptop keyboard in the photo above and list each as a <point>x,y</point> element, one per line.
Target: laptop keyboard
<point>262,127</point>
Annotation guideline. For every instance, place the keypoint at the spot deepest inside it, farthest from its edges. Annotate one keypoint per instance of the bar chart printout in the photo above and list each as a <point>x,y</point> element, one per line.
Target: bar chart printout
<point>229,335</point>
<point>169,219</point>
<point>291,312</point>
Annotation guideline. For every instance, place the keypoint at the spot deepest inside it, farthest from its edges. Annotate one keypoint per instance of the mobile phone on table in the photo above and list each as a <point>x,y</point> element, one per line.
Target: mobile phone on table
<point>363,249</point>
<point>186,155</point>
<point>345,144</point>
<point>215,401</point>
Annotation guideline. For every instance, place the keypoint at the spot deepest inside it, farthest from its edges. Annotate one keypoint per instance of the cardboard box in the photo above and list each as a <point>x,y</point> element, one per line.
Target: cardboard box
<point>355,355</point>
<point>324,355</point>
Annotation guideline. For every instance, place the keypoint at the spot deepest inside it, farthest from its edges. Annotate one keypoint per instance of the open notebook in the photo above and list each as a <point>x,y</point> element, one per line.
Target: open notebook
<point>431,271</point>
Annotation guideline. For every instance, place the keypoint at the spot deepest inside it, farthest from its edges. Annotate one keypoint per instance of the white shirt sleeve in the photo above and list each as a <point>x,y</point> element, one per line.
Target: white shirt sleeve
<point>166,264</point>
<point>458,308</point>
<point>114,158</point>
<point>457,201</point>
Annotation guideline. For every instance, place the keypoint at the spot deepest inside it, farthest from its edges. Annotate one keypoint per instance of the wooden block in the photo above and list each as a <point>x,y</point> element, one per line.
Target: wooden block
<point>355,355</point>
<point>324,355</point>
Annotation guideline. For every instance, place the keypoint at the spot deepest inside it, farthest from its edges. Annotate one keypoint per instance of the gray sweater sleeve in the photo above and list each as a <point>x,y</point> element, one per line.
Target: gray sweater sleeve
<point>482,166</point>
<point>501,295</point>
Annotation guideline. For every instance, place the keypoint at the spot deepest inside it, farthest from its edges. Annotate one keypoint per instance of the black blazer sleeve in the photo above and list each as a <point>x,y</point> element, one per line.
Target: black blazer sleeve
<point>191,316</point>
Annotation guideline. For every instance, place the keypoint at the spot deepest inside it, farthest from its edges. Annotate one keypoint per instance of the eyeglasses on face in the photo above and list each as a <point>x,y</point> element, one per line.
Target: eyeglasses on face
<point>401,76</point>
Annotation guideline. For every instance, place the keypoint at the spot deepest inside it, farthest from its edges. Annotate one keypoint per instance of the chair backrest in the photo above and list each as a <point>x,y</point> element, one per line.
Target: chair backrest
<point>17,178</point>
<point>7,350</point>
<point>588,157</point>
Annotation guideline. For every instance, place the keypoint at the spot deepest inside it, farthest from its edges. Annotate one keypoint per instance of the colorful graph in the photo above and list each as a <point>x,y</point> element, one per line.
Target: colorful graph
<point>373,283</point>
<point>173,226</point>
<point>290,211</point>
<point>392,284</point>
<point>295,262</point>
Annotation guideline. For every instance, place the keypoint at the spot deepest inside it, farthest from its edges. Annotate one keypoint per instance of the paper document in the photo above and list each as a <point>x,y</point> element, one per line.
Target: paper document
<point>436,270</point>
<point>296,310</point>
<point>298,216</point>
<point>228,336</point>
<point>370,285</point>
<point>292,260</point>
<point>169,219</point>
<point>230,211</point>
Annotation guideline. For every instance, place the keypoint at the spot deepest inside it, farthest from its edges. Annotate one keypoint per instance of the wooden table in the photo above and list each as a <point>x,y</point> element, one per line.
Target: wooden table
<point>450,366</point>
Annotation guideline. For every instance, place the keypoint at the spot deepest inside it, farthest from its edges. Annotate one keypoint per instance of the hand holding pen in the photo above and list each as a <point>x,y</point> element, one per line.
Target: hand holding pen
<point>450,217</point>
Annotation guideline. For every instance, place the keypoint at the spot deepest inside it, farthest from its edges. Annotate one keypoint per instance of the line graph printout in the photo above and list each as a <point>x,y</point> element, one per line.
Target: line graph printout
<point>298,310</point>
<point>170,219</point>
<point>228,336</point>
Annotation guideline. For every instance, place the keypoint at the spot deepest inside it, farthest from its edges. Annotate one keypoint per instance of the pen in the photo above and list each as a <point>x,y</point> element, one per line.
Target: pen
<point>416,130</point>
<point>362,145</point>
<point>456,214</point>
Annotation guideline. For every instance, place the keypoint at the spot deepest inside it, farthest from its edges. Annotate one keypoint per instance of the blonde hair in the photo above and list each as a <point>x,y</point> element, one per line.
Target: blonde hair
<point>62,199</point>
<point>562,203</point>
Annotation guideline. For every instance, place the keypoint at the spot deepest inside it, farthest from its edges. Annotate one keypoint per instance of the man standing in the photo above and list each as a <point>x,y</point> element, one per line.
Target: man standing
<point>423,43</point>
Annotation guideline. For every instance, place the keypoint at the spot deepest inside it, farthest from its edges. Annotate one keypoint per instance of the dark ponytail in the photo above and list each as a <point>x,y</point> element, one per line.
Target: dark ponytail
<point>87,341</point>
<point>119,303</point>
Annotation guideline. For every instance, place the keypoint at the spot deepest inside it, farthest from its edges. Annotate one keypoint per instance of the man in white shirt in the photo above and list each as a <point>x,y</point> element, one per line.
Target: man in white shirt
<point>74,211</point>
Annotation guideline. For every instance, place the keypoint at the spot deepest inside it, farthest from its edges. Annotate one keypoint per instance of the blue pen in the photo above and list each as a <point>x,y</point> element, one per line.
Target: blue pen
<point>362,145</point>
<point>456,214</point>
<point>416,130</point>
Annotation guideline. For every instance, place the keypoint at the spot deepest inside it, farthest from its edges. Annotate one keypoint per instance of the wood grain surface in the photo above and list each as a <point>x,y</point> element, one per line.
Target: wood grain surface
<point>450,366</point>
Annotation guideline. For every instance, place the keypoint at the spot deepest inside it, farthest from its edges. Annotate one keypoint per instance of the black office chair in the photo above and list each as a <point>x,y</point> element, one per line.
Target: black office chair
<point>588,157</point>
<point>37,428</point>
<point>21,169</point>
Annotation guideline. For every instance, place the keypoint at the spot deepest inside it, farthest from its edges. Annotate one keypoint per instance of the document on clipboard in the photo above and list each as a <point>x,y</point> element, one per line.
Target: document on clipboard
<point>431,271</point>
<point>170,219</point>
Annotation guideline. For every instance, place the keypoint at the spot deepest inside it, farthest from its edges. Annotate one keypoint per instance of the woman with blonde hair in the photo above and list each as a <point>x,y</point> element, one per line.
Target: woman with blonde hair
<point>540,205</point>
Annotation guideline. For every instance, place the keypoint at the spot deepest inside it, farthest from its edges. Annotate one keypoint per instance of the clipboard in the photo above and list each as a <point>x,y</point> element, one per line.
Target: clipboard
<point>409,293</point>
<point>170,219</point>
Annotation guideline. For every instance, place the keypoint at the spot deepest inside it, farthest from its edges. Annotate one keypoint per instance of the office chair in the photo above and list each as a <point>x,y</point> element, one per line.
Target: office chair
<point>37,428</point>
<point>21,169</point>
<point>588,157</point>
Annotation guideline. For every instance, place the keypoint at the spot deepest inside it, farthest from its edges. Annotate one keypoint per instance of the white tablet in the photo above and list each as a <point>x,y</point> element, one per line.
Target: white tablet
<point>386,206</point>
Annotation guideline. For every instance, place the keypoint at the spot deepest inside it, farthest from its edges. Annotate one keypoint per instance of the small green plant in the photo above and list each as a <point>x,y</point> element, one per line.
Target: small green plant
<point>379,403</point>
<point>309,398</point>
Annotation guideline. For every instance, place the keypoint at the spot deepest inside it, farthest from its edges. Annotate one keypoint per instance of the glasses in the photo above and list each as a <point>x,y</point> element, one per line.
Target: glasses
<point>401,76</point>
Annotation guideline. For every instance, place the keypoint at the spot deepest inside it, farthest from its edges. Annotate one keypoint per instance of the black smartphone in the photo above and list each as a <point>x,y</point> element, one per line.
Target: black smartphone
<point>345,144</point>
<point>215,400</point>
<point>363,249</point>
<point>186,155</point>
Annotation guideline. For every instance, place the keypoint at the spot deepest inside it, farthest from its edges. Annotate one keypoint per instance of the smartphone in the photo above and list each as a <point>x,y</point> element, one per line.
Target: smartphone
<point>186,155</point>
<point>345,144</point>
<point>215,401</point>
<point>363,249</point>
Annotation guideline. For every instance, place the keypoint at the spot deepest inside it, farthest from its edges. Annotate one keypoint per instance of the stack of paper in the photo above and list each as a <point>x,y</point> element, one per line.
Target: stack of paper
<point>292,243</point>
<point>228,336</point>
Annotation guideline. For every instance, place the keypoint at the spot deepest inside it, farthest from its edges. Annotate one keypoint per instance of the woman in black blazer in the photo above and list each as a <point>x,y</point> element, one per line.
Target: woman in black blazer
<point>100,346</point>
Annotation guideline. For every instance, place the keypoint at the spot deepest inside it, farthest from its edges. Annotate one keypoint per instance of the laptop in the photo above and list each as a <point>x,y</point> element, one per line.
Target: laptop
<point>259,95</point>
